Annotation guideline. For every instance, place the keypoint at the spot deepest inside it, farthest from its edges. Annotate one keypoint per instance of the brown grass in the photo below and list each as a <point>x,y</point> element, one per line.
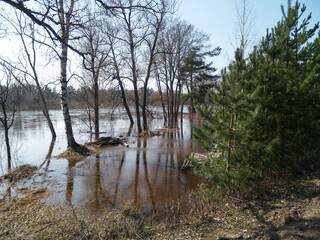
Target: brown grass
<point>77,153</point>
<point>21,172</point>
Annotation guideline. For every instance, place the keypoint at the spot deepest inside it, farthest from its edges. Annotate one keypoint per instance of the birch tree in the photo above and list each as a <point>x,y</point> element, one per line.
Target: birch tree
<point>59,19</point>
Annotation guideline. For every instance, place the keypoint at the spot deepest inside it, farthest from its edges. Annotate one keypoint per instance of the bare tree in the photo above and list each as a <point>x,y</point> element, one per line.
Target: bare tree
<point>95,61</point>
<point>117,60</point>
<point>65,15</point>
<point>134,27</point>
<point>28,66</point>
<point>175,43</point>
<point>245,24</point>
<point>9,101</point>
<point>59,19</point>
<point>140,22</point>
<point>155,21</point>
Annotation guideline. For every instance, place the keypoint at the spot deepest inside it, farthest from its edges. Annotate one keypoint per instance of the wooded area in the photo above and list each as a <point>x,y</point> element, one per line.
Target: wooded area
<point>263,116</point>
<point>244,165</point>
<point>121,47</point>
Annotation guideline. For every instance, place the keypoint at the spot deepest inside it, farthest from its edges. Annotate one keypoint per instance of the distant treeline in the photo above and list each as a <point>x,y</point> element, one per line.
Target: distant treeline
<point>29,99</point>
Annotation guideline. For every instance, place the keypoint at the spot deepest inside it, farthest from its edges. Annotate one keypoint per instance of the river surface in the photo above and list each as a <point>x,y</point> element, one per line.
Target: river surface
<point>146,174</point>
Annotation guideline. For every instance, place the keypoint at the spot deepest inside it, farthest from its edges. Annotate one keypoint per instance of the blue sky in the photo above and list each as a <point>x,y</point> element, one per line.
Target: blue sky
<point>218,19</point>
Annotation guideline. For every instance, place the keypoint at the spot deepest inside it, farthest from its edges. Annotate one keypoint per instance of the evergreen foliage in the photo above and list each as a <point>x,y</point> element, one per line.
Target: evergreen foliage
<point>263,116</point>
<point>199,75</point>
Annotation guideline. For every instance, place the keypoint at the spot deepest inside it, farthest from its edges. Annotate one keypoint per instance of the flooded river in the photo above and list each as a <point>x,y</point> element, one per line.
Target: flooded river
<point>147,173</point>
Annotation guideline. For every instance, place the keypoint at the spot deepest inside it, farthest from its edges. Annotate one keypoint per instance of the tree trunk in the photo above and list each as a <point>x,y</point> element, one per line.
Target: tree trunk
<point>136,95</point>
<point>191,96</point>
<point>64,97</point>
<point>6,130</point>
<point>123,94</point>
<point>124,101</point>
<point>6,127</point>
<point>135,85</point>
<point>47,116</point>
<point>229,145</point>
<point>96,107</point>
<point>161,97</point>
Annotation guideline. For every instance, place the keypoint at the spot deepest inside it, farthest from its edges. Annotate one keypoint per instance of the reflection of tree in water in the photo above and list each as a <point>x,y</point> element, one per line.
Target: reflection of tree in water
<point>49,154</point>
<point>118,178</point>
<point>120,169</point>
<point>146,174</point>
<point>136,178</point>
<point>99,195</point>
<point>144,156</point>
<point>158,179</point>
<point>70,180</point>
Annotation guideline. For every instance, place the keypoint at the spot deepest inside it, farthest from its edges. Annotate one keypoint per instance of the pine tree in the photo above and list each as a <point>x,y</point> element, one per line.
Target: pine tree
<point>199,75</point>
<point>221,130</point>
<point>263,116</point>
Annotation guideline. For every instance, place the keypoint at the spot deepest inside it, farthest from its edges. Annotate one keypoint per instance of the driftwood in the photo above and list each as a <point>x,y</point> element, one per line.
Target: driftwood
<point>198,157</point>
<point>107,141</point>
<point>158,132</point>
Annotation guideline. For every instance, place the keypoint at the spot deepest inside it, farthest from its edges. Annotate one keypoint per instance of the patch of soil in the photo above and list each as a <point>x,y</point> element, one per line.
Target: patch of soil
<point>21,172</point>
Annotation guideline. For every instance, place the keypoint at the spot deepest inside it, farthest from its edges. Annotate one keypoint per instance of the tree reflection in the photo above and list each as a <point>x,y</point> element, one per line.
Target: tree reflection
<point>144,156</point>
<point>49,154</point>
<point>70,180</point>
<point>118,178</point>
<point>136,178</point>
<point>99,195</point>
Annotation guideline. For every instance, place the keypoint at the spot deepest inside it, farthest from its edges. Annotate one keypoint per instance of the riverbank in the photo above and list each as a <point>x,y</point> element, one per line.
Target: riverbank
<point>287,208</point>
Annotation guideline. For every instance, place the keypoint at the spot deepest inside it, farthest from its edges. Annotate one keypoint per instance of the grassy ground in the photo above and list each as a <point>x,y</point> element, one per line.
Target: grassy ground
<point>281,209</point>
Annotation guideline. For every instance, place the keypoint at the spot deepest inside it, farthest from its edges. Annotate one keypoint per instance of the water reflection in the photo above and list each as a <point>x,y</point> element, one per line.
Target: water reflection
<point>48,156</point>
<point>147,173</point>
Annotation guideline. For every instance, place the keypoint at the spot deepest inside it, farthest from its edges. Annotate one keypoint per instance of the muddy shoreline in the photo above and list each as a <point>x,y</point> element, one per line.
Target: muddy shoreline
<point>288,208</point>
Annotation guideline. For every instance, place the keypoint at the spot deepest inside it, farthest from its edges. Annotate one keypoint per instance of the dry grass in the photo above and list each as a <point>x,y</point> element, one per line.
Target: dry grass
<point>77,153</point>
<point>21,172</point>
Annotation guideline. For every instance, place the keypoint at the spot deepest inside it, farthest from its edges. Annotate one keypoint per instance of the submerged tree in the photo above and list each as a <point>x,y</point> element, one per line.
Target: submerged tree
<point>28,67</point>
<point>139,24</point>
<point>9,101</point>
<point>180,63</point>
<point>117,62</point>
<point>95,62</point>
<point>59,20</point>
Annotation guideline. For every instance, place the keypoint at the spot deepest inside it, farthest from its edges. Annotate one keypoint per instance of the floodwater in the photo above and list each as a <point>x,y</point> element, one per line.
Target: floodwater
<point>146,174</point>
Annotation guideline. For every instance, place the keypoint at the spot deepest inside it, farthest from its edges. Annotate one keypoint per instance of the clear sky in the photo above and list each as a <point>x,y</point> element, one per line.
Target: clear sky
<point>218,19</point>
